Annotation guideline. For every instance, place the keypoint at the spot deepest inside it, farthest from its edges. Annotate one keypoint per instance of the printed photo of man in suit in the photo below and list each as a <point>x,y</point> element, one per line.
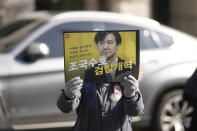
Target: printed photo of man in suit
<point>113,68</point>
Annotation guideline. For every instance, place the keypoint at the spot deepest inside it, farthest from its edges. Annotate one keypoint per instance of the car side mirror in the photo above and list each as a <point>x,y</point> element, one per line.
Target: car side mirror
<point>36,51</point>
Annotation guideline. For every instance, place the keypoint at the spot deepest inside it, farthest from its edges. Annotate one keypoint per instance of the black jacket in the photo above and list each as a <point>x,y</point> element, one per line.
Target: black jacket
<point>191,86</point>
<point>91,102</point>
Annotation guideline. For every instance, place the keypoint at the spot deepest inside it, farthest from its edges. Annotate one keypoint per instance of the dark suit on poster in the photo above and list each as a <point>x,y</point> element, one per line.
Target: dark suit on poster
<point>90,75</point>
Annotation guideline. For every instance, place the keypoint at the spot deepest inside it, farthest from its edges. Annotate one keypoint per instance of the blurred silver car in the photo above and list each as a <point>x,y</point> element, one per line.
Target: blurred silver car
<point>32,68</point>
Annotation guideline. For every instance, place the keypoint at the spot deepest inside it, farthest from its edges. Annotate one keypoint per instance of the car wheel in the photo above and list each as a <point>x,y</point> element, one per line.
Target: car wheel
<point>174,113</point>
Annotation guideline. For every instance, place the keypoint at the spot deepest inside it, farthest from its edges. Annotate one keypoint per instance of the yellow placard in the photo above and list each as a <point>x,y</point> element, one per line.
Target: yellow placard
<point>81,51</point>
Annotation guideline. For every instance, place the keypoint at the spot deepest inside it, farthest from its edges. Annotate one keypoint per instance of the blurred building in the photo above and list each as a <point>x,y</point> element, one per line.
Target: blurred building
<point>10,8</point>
<point>180,14</point>
<point>183,15</point>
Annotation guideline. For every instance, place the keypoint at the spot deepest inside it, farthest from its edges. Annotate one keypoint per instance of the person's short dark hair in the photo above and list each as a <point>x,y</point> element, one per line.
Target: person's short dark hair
<point>100,36</point>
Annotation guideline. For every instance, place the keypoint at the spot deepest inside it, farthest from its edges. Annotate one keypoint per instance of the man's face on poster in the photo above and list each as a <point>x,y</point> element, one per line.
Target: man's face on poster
<point>108,47</point>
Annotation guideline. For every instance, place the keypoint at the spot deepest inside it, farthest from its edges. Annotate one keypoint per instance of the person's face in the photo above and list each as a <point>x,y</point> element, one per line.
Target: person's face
<point>108,47</point>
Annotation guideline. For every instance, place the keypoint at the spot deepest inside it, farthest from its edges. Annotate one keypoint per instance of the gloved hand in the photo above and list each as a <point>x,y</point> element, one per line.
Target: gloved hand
<point>130,85</point>
<point>73,87</point>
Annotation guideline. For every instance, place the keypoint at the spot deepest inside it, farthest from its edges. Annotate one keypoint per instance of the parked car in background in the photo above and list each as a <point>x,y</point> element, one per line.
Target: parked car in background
<point>32,68</point>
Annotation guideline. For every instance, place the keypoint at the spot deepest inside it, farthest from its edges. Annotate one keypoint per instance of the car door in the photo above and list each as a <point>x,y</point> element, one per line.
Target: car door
<point>35,85</point>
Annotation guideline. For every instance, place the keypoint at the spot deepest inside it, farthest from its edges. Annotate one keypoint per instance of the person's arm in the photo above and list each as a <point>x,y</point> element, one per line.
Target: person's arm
<point>69,98</point>
<point>132,99</point>
<point>134,106</point>
<point>67,105</point>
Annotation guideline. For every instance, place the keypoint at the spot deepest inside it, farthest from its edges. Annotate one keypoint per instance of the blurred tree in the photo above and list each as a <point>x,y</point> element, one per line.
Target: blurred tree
<point>91,4</point>
<point>161,11</point>
<point>59,5</point>
<point>104,5</point>
<point>55,5</point>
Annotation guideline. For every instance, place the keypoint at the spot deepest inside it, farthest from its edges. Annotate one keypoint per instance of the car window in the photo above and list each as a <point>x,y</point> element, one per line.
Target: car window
<point>155,39</point>
<point>12,27</point>
<point>165,39</point>
<point>12,34</point>
<point>148,41</point>
<point>54,37</point>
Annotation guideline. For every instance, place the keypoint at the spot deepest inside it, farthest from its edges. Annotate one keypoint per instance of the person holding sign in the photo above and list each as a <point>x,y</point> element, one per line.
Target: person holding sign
<point>105,105</point>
